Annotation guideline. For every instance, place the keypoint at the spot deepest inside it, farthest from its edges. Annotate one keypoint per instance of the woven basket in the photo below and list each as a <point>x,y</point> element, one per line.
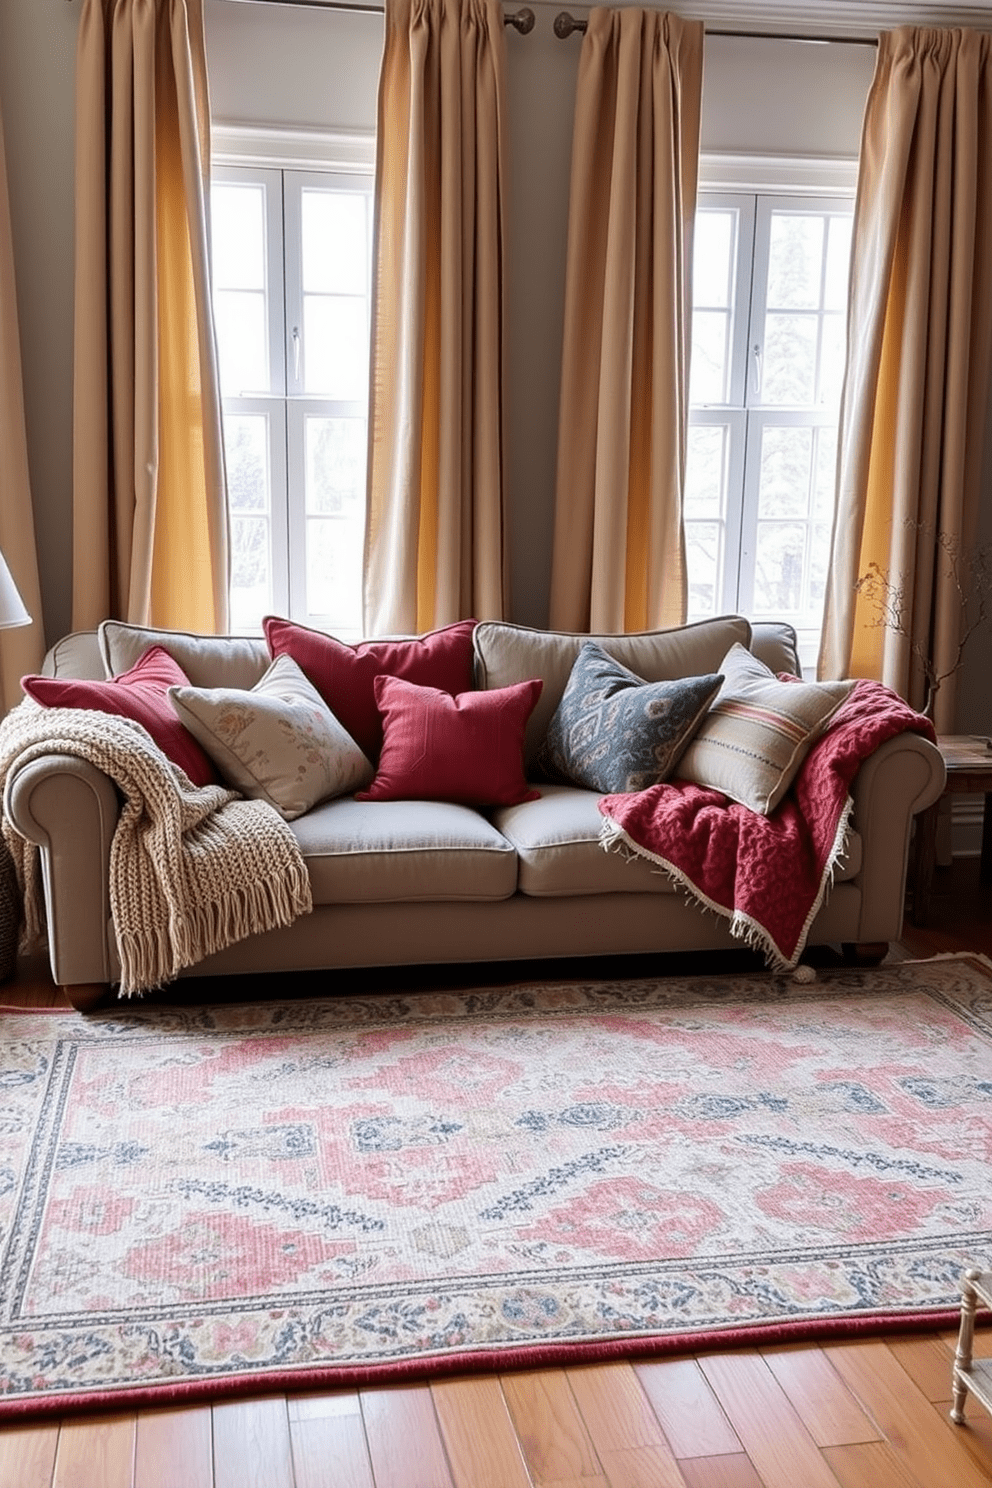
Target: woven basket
<point>9,914</point>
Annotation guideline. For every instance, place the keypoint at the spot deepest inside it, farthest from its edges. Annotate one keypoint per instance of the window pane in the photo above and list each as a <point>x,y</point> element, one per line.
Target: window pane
<point>247,457</point>
<point>335,249</point>
<point>251,567</point>
<point>334,572</point>
<point>241,342</point>
<point>704,559</point>
<point>838,263</point>
<point>713,259</point>
<point>795,261</point>
<point>709,367</point>
<point>825,475</point>
<point>336,347</point>
<point>786,455</point>
<point>237,236</point>
<point>778,569</point>
<point>789,363</point>
<point>832,348</point>
<point>819,558</point>
<point>335,467</point>
<point>705,476</point>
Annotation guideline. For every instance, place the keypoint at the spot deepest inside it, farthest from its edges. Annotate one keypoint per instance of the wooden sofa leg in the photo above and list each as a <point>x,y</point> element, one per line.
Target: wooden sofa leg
<point>85,996</point>
<point>865,953</point>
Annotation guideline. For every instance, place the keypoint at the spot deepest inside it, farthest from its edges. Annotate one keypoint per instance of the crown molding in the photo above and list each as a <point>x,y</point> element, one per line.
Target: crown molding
<point>347,150</point>
<point>782,175</point>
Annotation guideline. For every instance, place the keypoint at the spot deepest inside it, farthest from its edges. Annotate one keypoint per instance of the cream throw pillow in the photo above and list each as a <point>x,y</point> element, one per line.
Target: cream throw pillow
<point>758,731</point>
<point>278,742</point>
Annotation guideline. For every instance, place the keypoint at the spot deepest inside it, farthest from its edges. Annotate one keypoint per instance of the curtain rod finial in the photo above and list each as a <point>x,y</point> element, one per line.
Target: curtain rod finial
<point>565,24</point>
<point>521,20</point>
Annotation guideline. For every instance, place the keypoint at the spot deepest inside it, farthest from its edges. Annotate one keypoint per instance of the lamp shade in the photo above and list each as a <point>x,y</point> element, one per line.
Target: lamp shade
<point>12,611</point>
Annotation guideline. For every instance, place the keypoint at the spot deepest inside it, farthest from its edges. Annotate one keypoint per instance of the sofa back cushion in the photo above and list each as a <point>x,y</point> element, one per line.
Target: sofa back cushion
<point>207,660</point>
<point>506,654</point>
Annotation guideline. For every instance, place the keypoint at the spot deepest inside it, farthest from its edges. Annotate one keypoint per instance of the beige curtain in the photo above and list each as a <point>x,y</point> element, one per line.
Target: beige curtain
<point>149,507</point>
<point>913,411</point>
<point>434,549</point>
<point>619,549</point>
<point>21,649</point>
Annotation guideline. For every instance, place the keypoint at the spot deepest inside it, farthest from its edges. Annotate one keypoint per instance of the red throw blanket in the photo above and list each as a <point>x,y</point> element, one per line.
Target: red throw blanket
<point>767,874</point>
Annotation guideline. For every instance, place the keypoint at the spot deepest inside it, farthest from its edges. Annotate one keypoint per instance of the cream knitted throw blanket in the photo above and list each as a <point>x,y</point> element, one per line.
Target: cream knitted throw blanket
<point>192,868</point>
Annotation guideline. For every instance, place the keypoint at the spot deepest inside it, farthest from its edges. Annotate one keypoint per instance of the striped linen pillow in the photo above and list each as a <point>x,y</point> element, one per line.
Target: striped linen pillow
<point>758,731</point>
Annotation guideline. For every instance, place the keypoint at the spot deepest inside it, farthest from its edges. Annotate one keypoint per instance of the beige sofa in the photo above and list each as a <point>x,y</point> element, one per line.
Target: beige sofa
<point>403,882</point>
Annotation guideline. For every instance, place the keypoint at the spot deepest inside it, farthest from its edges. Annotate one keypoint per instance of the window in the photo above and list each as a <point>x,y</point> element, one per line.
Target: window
<point>292,277</point>
<point>768,340</point>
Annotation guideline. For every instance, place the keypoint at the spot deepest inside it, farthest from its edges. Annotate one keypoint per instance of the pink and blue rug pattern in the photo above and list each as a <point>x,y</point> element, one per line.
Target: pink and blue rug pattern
<point>199,1201</point>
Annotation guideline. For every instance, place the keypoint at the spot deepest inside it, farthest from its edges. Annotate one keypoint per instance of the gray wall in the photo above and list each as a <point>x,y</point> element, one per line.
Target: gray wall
<point>37,60</point>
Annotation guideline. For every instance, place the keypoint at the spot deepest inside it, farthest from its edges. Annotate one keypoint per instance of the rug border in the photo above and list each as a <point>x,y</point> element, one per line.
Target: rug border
<point>631,1347</point>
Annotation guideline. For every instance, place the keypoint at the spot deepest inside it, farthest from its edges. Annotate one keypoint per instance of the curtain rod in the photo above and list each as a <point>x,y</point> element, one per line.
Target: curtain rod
<point>565,25</point>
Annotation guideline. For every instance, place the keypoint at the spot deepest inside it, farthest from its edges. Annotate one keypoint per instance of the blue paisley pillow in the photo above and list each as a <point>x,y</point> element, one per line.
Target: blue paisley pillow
<point>613,732</point>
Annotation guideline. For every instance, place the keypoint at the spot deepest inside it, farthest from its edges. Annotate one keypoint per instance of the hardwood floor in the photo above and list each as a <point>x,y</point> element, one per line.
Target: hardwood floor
<point>869,1413</point>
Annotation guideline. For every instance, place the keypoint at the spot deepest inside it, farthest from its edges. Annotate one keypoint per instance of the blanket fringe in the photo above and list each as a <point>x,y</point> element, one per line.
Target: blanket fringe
<point>613,838</point>
<point>209,927</point>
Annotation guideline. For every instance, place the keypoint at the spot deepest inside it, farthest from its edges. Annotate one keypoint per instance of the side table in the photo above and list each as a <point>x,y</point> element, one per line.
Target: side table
<point>970,1373</point>
<point>968,759</point>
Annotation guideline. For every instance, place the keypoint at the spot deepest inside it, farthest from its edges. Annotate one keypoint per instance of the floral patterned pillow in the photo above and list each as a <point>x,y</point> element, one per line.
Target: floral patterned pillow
<point>278,742</point>
<point>613,732</point>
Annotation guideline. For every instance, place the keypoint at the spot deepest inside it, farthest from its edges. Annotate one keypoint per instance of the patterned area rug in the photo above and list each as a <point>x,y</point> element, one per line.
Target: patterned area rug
<point>197,1201</point>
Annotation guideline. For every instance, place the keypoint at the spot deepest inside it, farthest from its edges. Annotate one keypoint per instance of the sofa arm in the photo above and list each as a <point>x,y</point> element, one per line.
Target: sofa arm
<point>69,808</point>
<point>904,776</point>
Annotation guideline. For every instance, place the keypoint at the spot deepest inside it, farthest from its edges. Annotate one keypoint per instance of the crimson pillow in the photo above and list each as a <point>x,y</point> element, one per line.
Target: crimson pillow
<point>467,748</point>
<point>345,675</point>
<point>140,693</point>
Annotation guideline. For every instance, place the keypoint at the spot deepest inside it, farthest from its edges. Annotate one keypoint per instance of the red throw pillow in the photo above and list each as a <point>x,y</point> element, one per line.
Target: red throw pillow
<point>142,694</point>
<point>442,748</point>
<point>345,675</point>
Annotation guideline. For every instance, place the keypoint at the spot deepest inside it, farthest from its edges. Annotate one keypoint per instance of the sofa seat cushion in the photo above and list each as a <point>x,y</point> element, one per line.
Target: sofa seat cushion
<point>557,842</point>
<point>559,852</point>
<point>367,852</point>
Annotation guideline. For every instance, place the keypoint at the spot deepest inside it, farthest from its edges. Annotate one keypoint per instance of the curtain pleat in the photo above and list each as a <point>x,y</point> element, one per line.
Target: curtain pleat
<point>21,649</point>
<point>913,409</point>
<point>150,529</point>
<point>619,548</point>
<point>435,544</point>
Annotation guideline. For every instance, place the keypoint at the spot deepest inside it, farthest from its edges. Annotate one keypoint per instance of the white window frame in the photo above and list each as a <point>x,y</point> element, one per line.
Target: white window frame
<point>726,181</point>
<point>248,153</point>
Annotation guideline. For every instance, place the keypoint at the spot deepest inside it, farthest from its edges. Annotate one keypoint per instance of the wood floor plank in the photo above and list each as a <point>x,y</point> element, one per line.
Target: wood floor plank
<point>768,1425</point>
<point>331,1449</point>
<point>95,1452</point>
<point>27,1455</point>
<point>687,1410</point>
<point>404,1438</point>
<point>549,1426</point>
<point>825,1406</point>
<point>928,1363</point>
<point>642,1467</point>
<point>614,1407</point>
<point>976,1435</point>
<point>733,1471</point>
<point>478,1434</point>
<point>174,1449</point>
<point>315,1406</point>
<point>870,1465</point>
<point>921,1437</point>
<point>251,1444</point>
